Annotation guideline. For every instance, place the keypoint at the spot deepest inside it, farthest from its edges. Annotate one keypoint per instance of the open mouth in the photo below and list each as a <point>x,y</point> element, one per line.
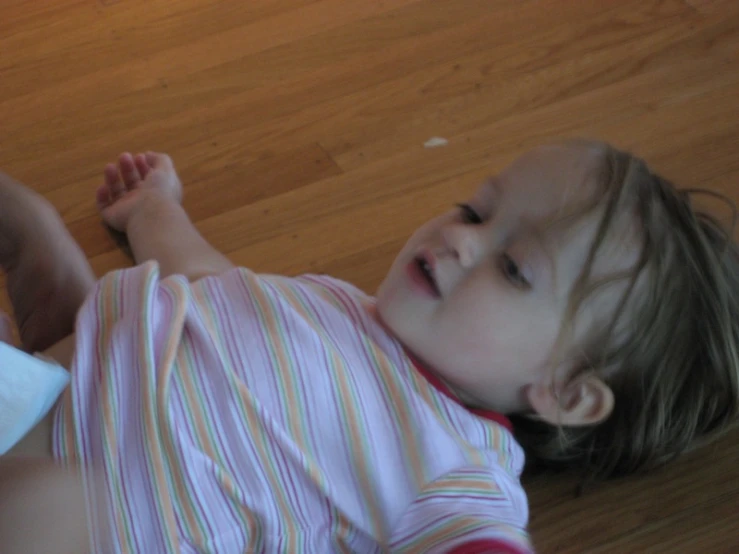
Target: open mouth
<point>426,274</point>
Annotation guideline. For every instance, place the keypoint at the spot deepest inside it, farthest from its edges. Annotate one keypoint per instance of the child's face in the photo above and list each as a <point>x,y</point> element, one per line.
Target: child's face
<point>487,320</point>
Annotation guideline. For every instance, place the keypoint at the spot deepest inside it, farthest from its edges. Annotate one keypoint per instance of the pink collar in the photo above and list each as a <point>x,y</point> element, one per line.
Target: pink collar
<point>441,387</point>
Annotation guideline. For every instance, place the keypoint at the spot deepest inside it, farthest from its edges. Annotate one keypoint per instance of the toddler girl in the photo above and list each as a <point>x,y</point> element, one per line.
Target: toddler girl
<point>577,309</point>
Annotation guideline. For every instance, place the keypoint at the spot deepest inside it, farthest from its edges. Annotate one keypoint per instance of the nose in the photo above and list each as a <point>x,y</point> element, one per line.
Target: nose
<point>464,242</point>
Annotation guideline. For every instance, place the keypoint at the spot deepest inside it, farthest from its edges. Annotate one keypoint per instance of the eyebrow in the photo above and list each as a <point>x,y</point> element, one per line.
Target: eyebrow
<point>492,184</point>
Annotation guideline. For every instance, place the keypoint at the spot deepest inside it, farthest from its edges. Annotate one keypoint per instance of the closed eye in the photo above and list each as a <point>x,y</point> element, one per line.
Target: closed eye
<point>512,272</point>
<point>469,215</point>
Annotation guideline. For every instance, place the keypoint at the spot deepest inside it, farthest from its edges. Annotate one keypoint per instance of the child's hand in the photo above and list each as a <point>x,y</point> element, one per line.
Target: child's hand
<point>131,182</point>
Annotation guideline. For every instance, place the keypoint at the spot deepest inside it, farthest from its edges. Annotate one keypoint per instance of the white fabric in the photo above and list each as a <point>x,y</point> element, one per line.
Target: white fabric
<point>29,387</point>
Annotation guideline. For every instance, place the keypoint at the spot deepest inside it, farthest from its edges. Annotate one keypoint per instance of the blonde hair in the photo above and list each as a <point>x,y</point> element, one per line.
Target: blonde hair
<point>671,352</point>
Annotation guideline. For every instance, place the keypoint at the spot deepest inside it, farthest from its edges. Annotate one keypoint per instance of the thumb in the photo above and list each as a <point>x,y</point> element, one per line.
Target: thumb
<point>156,160</point>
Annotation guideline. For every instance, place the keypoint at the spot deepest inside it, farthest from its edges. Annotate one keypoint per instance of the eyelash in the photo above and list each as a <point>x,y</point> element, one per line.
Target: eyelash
<point>508,265</point>
<point>513,273</point>
<point>469,215</point>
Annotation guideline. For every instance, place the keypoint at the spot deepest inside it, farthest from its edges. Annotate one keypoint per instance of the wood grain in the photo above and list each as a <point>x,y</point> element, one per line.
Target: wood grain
<point>298,128</point>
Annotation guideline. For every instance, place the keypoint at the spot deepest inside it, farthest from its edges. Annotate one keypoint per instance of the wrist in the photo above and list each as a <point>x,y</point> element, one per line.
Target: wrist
<point>151,207</point>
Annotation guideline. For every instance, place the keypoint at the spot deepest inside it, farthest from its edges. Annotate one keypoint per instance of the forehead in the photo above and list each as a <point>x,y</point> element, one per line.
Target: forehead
<point>617,254</point>
<point>548,181</point>
<point>551,191</point>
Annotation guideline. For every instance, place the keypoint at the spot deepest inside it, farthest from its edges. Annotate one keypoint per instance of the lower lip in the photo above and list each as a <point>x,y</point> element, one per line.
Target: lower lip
<point>419,280</point>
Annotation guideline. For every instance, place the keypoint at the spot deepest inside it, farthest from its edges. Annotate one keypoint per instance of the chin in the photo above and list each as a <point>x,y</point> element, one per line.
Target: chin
<point>387,298</point>
<point>394,321</point>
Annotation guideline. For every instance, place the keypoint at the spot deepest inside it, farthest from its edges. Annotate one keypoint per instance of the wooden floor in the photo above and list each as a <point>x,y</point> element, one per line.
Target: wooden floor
<point>299,129</point>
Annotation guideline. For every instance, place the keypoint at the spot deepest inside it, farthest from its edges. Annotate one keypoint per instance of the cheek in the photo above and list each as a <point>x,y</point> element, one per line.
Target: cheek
<point>490,323</point>
<point>426,235</point>
<point>479,317</point>
<point>410,248</point>
<point>425,232</point>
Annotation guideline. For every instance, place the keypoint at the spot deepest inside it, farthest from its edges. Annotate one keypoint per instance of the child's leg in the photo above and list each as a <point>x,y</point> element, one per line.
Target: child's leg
<point>37,443</point>
<point>48,276</point>
<point>42,508</point>
<point>142,197</point>
<point>42,505</point>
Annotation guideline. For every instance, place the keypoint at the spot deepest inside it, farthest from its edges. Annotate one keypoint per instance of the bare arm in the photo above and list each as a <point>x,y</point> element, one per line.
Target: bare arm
<point>142,197</point>
<point>161,230</point>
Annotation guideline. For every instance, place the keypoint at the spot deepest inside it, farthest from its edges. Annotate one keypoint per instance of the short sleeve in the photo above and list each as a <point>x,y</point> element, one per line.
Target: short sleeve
<point>474,510</point>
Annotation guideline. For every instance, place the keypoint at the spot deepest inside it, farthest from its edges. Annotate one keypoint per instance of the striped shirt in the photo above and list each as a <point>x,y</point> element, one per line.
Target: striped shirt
<point>259,413</point>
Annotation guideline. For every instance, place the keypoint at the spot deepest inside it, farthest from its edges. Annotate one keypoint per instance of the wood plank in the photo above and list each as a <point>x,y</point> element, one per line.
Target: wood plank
<point>254,88</point>
<point>300,126</point>
<point>213,188</point>
<point>610,512</point>
<point>537,70</point>
<point>178,38</point>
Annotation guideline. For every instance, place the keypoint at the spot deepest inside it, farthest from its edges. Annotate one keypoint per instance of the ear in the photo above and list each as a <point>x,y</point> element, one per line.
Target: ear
<point>587,400</point>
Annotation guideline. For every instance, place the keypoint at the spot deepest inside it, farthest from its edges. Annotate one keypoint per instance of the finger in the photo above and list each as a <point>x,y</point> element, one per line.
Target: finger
<point>111,174</point>
<point>128,170</point>
<point>102,197</point>
<point>142,165</point>
<point>113,183</point>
